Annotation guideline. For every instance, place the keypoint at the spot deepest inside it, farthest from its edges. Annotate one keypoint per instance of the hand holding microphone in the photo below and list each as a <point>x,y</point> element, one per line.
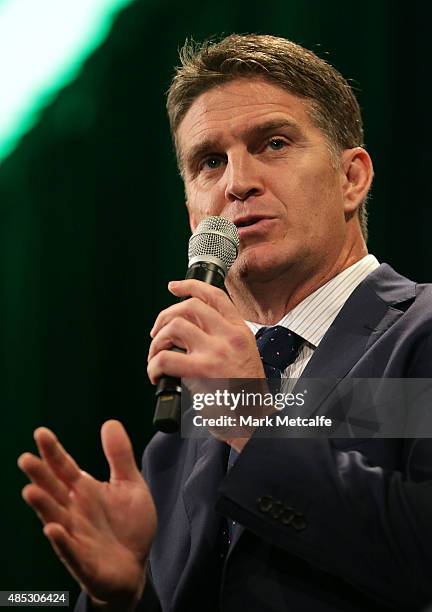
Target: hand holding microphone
<point>216,342</point>
<point>213,248</point>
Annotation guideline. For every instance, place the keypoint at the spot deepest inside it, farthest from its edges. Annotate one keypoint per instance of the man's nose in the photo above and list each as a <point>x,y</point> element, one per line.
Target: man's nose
<point>243,177</point>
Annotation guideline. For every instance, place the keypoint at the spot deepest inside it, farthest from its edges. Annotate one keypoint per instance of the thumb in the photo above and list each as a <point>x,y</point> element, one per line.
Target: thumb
<point>118,451</point>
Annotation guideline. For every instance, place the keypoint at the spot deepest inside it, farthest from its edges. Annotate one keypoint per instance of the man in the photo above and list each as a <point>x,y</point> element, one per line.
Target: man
<point>268,136</point>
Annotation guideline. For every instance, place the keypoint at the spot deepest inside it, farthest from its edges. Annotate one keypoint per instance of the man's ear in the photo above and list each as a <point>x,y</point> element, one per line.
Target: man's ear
<point>357,177</point>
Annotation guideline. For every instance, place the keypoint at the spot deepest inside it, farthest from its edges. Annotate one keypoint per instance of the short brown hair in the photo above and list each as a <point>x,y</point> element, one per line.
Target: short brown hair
<point>334,108</point>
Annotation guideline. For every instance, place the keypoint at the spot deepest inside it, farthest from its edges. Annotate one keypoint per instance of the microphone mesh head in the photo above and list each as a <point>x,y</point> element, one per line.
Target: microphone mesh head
<point>215,237</point>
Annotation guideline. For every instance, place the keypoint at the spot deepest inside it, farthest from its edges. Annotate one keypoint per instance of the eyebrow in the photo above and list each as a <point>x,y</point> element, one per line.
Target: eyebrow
<point>212,145</point>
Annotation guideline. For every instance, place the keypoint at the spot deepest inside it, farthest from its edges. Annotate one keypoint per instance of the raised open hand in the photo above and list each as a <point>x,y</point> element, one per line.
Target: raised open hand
<point>102,531</point>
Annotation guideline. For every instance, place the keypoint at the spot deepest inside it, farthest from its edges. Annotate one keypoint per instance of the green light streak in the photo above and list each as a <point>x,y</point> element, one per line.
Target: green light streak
<point>43,44</point>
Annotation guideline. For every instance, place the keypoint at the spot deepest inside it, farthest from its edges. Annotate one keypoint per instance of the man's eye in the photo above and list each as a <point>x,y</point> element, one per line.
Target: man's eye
<point>277,144</point>
<point>211,163</point>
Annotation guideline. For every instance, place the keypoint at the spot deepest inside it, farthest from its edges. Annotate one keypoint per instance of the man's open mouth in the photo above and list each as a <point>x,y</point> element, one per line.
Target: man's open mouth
<point>247,221</point>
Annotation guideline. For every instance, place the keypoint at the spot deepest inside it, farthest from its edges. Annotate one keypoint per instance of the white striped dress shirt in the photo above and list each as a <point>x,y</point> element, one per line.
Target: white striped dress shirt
<point>313,316</point>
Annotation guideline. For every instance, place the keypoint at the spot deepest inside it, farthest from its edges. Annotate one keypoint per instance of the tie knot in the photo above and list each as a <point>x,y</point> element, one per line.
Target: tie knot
<point>278,347</point>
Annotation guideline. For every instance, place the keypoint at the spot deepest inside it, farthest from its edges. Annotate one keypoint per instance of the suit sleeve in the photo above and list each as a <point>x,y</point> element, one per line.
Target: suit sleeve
<point>368,525</point>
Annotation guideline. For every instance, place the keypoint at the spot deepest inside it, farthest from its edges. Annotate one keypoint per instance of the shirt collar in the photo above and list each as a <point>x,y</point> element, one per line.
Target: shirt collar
<point>313,316</point>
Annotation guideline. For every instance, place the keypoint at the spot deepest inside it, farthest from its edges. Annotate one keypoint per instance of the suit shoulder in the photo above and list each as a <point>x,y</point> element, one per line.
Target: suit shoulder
<point>421,307</point>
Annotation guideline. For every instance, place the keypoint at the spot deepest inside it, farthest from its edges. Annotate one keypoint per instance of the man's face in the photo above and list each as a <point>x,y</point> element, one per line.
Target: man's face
<point>252,154</point>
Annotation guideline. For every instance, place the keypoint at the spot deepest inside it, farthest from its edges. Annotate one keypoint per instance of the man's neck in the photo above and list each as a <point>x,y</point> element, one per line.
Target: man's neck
<point>267,299</point>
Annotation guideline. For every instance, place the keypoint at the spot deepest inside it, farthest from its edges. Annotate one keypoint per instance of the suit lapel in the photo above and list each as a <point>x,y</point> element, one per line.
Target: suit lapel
<point>373,307</point>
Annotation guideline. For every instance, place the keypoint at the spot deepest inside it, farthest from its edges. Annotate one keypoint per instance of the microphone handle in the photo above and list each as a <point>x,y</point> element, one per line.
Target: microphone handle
<point>167,416</point>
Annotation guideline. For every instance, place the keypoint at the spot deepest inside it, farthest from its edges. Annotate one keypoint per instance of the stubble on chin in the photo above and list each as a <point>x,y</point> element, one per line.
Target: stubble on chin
<point>256,265</point>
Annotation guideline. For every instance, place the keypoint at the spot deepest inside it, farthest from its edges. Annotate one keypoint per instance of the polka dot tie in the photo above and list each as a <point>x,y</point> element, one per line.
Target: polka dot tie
<point>278,347</point>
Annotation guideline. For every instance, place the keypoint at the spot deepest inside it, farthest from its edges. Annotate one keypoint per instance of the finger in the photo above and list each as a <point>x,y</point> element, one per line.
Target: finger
<point>213,296</point>
<point>180,333</point>
<point>194,310</point>
<point>179,365</point>
<point>118,451</point>
<point>44,505</point>
<point>41,475</point>
<point>66,549</point>
<point>61,463</point>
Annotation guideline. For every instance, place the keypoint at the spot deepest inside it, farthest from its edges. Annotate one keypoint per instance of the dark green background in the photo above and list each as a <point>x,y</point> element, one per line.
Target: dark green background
<point>93,223</point>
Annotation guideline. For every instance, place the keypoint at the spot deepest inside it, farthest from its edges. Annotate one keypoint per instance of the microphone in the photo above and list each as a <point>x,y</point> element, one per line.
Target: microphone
<point>213,248</point>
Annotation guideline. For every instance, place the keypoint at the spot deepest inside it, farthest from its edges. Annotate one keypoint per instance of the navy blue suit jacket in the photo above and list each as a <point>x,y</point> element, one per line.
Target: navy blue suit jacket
<point>359,536</point>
